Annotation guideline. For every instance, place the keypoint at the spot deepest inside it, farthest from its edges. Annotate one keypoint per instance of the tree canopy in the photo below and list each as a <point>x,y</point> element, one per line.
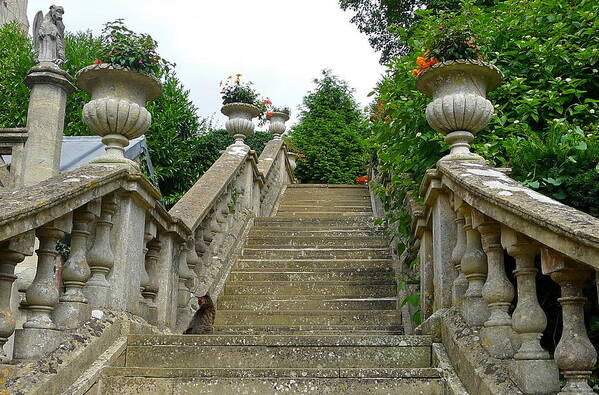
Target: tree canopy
<point>330,134</point>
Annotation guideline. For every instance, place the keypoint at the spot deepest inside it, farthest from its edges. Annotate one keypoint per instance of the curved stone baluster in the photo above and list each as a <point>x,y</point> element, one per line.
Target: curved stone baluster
<point>100,257</point>
<point>73,309</point>
<point>183,293</point>
<point>575,355</point>
<point>474,266</point>
<point>42,294</point>
<point>532,368</point>
<point>10,256</point>
<point>498,291</point>
<point>144,280</point>
<point>152,287</point>
<point>193,260</point>
<point>460,284</point>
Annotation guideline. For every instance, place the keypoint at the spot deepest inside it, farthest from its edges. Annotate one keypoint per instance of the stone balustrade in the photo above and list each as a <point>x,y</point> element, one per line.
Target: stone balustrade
<point>124,255</point>
<point>476,219</point>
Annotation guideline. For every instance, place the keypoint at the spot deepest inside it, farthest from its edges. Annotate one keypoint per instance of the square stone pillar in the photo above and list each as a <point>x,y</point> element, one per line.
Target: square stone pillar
<point>127,239</point>
<point>45,122</point>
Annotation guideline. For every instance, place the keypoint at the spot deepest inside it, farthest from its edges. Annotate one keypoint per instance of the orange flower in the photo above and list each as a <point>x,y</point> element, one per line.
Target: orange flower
<point>421,61</point>
<point>362,180</point>
<point>415,72</point>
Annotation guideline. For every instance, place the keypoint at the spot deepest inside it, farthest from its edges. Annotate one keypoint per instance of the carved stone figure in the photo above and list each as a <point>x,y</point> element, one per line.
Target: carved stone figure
<point>48,36</point>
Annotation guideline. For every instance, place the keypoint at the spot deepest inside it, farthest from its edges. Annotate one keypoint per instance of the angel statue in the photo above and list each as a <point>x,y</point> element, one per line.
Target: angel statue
<point>48,36</point>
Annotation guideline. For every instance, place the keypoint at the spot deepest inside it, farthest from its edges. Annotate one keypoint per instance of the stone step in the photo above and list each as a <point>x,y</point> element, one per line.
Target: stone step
<point>306,264</point>
<point>320,275</point>
<point>323,234</point>
<point>340,385</point>
<point>324,214</point>
<point>339,290</point>
<point>281,340</point>
<point>320,201</point>
<point>316,253</point>
<point>317,242</point>
<point>324,208</point>
<point>283,304</point>
<point>307,317</point>
<point>274,372</point>
<point>224,356</point>
<point>320,330</point>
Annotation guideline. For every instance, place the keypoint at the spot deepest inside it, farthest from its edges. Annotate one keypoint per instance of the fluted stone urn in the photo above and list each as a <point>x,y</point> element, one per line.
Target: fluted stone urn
<point>117,110</point>
<point>277,124</point>
<point>459,108</point>
<point>240,123</point>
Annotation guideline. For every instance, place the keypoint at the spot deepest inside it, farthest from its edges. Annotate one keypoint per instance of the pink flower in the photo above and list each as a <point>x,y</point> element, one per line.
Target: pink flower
<point>98,61</point>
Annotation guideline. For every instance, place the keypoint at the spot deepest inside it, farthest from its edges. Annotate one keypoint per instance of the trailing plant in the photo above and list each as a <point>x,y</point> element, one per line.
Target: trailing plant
<point>136,51</point>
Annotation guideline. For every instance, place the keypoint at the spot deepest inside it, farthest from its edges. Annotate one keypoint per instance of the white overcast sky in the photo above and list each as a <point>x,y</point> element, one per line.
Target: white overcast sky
<point>280,45</point>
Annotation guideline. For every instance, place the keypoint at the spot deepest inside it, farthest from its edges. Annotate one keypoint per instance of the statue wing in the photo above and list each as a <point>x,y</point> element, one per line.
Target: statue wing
<point>37,23</point>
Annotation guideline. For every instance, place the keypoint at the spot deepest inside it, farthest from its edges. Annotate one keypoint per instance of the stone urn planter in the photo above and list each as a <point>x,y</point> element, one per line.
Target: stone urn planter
<point>292,160</point>
<point>240,123</point>
<point>459,108</point>
<point>277,124</point>
<point>117,110</point>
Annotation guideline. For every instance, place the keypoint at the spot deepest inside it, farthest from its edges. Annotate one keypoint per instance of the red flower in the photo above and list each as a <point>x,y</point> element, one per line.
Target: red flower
<point>98,61</point>
<point>269,114</point>
<point>362,180</point>
<point>267,102</point>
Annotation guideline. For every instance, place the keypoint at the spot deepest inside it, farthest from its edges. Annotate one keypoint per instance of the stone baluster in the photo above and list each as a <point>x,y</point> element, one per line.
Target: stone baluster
<point>100,257</point>
<point>460,284</point>
<point>474,266</point>
<point>73,309</point>
<point>575,355</point>
<point>532,368</point>
<point>39,334</point>
<point>193,260</point>
<point>183,293</point>
<point>12,252</point>
<point>427,275</point>
<point>498,291</point>
<point>152,287</point>
<point>150,232</point>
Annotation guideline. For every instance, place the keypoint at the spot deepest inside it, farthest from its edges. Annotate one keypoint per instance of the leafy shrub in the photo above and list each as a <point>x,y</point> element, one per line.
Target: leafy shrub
<point>330,134</point>
<point>235,91</point>
<point>16,58</point>
<point>545,127</point>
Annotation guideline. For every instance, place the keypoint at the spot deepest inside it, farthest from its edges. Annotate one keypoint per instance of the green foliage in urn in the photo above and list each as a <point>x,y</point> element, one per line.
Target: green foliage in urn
<point>545,127</point>
<point>16,58</point>
<point>233,90</point>
<point>330,134</point>
<point>283,109</point>
<point>136,51</point>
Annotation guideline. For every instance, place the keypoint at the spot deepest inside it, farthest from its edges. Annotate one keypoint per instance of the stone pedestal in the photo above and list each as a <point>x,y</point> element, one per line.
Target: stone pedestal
<point>535,376</point>
<point>32,343</point>
<point>71,315</point>
<point>45,122</point>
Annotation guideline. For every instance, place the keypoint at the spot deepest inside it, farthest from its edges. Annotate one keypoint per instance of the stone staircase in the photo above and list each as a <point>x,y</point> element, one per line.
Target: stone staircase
<point>310,307</point>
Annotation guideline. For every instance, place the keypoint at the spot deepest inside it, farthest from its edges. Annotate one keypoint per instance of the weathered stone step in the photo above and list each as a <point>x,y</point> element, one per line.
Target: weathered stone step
<point>362,223</point>
<point>223,356</point>
<point>320,330</point>
<point>273,263</point>
<point>321,208</point>
<point>320,275</point>
<point>317,242</point>
<point>275,372</point>
<point>339,290</point>
<point>306,317</point>
<point>319,201</point>
<point>324,214</point>
<point>339,339</point>
<point>317,253</point>
<point>197,385</point>
<point>256,304</point>
<point>323,234</point>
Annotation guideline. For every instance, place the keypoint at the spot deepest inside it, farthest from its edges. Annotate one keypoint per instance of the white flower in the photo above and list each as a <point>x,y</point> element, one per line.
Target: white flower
<point>418,134</point>
<point>516,121</point>
<point>558,78</point>
<point>592,111</point>
<point>568,79</point>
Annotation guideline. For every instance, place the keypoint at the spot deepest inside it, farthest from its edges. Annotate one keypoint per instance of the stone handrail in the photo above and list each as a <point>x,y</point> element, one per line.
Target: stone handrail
<point>220,208</point>
<point>125,255</point>
<point>473,213</point>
